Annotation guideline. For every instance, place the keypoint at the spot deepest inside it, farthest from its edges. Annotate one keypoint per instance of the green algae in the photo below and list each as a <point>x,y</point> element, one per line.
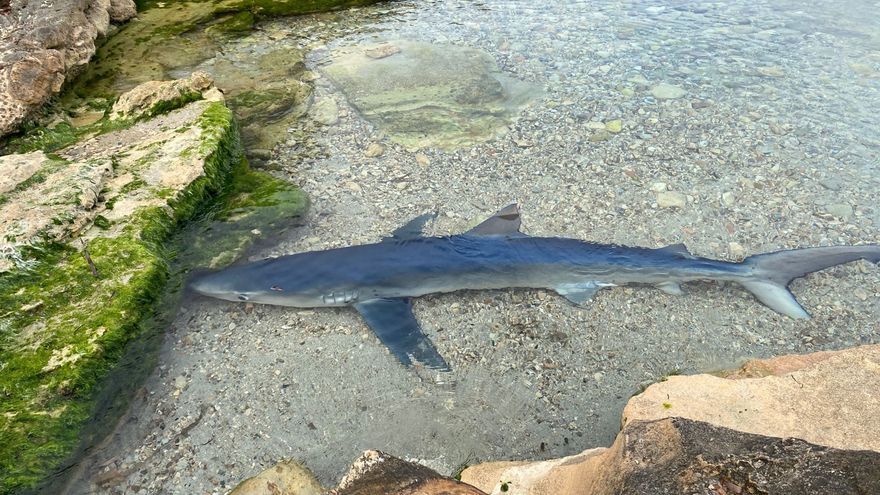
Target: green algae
<point>63,329</point>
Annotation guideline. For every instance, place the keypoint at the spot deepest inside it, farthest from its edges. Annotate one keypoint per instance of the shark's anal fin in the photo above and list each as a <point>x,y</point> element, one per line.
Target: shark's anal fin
<point>505,221</point>
<point>580,293</point>
<point>393,322</point>
<point>413,229</point>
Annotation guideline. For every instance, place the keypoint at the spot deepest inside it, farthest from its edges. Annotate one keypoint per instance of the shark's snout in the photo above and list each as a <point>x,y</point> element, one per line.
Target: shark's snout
<point>211,285</point>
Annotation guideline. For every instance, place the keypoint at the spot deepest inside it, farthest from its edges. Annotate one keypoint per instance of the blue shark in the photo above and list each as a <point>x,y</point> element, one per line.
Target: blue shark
<point>380,280</point>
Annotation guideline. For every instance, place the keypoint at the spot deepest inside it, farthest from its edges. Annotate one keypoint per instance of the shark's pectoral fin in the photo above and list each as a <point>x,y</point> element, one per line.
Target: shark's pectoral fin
<point>505,221</point>
<point>394,323</point>
<point>580,293</point>
<point>670,288</point>
<point>413,229</point>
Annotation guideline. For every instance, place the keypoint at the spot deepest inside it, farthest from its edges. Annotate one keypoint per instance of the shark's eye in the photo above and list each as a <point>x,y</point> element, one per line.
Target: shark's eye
<point>276,288</point>
<point>242,297</point>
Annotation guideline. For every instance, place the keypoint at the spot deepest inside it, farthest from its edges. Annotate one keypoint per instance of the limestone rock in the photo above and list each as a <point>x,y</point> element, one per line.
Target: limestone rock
<point>804,401</point>
<point>122,10</point>
<point>792,424</point>
<point>677,456</point>
<point>44,43</point>
<point>377,472</point>
<point>284,478</point>
<point>154,97</point>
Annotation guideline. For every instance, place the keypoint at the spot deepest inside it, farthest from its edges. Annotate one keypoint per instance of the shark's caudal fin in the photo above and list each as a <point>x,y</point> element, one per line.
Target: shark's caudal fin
<point>774,271</point>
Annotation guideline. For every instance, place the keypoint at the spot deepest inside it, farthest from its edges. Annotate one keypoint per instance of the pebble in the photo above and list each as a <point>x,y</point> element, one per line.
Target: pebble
<point>374,150</point>
<point>659,187</point>
<point>842,211</point>
<point>422,160</point>
<point>665,91</point>
<point>728,198</point>
<point>600,135</point>
<point>773,71</point>
<point>352,186</point>
<point>736,250</point>
<point>614,126</point>
<point>671,199</point>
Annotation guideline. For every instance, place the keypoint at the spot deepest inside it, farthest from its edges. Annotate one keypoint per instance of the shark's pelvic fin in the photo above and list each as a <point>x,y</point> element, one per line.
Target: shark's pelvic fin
<point>581,293</point>
<point>393,322</point>
<point>505,221</point>
<point>413,229</point>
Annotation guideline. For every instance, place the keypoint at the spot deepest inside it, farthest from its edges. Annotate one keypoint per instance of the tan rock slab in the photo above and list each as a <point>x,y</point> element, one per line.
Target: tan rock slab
<point>828,399</point>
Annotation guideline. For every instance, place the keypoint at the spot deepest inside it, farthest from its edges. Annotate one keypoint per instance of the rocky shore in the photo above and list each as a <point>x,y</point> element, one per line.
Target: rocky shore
<point>630,124</point>
<point>43,45</point>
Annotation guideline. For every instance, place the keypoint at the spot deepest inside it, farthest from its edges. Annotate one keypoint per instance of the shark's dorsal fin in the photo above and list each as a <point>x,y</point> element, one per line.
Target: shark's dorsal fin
<point>679,249</point>
<point>393,322</point>
<point>505,221</point>
<point>413,229</point>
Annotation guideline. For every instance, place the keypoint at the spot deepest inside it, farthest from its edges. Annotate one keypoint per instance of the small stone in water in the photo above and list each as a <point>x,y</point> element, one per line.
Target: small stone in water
<point>659,187</point>
<point>374,150</point>
<point>614,126</point>
<point>736,250</point>
<point>667,91</point>
<point>671,199</point>
<point>422,160</point>
<point>728,199</point>
<point>842,211</point>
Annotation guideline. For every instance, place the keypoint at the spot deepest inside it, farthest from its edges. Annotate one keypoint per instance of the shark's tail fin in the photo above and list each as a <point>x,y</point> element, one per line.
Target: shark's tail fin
<point>774,271</point>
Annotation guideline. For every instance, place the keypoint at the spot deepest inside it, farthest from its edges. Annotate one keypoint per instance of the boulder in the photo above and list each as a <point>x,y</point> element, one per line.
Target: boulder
<point>678,456</point>
<point>42,44</point>
<point>827,398</point>
<point>377,472</point>
<point>285,478</point>
<point>792,424</point>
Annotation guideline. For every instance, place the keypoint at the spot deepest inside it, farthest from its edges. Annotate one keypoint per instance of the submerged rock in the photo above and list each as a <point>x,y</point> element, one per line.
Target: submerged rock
<point>425,94</point>
<point>667,92</point>
<point>43,44</point>
<point>773,426</point>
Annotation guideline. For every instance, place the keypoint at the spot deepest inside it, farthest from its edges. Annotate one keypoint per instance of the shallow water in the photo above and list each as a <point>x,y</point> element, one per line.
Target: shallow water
<point>772,142</point>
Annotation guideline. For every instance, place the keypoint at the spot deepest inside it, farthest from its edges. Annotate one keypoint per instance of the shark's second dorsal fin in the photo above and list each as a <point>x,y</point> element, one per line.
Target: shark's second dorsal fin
<point>413,229</point>
<point>505,221</point>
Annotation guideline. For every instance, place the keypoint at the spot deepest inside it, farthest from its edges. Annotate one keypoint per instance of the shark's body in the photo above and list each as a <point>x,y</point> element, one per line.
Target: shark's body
<point>379,279</point>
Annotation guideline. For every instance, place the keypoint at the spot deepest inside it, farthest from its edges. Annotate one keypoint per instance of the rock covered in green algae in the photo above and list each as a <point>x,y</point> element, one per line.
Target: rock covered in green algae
<point>67,315</point>
<point>157,97</point>
<point>424,94</point>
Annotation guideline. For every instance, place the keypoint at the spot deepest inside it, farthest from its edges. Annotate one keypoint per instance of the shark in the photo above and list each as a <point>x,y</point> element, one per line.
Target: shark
<point>380,280</point>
